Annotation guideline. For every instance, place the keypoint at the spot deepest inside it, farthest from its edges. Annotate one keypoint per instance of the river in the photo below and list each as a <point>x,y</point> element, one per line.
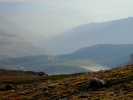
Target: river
<point>95,68</point>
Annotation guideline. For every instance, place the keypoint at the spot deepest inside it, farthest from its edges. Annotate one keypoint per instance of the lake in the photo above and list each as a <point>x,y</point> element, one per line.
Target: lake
<point>96,68</point>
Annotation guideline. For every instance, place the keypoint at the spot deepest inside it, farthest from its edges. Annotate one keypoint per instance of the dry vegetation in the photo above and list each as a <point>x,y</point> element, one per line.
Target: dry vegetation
<point>68,87</point>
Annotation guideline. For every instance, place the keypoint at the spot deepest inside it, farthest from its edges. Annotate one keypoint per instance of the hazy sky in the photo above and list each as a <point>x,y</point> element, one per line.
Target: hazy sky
<point>101,6</point>
<point>46,17</point>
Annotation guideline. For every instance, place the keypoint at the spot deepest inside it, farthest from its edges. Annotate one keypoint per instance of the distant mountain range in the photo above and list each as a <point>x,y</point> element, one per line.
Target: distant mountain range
<point>76,48</point>
<point>112,32</point>
<point>104,54</point>
<point>15,29</point>
<point>107,55</point>
<point>45,19</point>
<point>14,46</point>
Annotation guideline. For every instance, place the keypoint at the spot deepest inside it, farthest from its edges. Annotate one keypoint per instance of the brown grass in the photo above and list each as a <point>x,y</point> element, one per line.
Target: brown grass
<point>31,87</point>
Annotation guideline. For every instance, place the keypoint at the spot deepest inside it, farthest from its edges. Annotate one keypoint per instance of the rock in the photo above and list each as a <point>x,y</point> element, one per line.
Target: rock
<point>74,91</point>
<point>94,83</point>
<point>83,95</point>
<point>30,72</point>
<point>102,89</point>
<point>42,74</point>
<point>46,89</point>
<point>35,73</point>
<point>58,86</point>
<point>116,94</point>
<point>12,90</point>
<point>2,88</point>
<point>48,99</point>
<point>8,87</point>
<point>122,87</point>
<point>48,81</point>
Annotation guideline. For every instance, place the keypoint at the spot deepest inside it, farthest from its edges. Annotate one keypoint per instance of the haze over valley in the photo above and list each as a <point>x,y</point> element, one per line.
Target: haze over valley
<point>42,20</point>
<point>111,32</point>
<point>65,36</point>
<point>66,50</point>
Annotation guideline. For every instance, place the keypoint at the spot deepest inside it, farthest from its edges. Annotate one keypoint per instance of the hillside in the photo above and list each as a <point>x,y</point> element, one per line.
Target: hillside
<point>63,87</point>
<point>104,54</point>
<point>82,60</point>
<point>131,61</point>
<point>111,32</point>
<point>49,64</point>
<point>15,29</point>
<point>14,46</point>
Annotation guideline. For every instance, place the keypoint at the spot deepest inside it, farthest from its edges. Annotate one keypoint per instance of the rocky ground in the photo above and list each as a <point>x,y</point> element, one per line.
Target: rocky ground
<point>24,86</point>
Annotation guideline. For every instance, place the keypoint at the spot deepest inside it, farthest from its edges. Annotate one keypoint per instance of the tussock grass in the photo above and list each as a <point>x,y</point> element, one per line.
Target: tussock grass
<point>33,87</point>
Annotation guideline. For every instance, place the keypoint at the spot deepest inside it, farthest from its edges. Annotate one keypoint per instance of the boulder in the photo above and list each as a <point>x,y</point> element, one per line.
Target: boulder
<point>42,74</point>
<point>2,88</point>
<point>46,88</point>
<point>93,83</point>
<point>8,87</point>
<point>83,95</point>
<point>74,91</point>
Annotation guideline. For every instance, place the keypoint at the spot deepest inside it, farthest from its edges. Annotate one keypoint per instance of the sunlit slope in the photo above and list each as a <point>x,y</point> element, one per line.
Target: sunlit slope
<point>14,46</point>
<point>15,29</point>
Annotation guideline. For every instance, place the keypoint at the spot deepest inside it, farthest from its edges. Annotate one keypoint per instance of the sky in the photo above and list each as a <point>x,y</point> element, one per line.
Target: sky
<point>101,6</point>
<point>49,18</point>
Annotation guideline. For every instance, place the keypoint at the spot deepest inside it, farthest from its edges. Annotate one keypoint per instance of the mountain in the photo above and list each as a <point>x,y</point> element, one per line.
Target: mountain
<point>82,60</point>
<point>46,20</point>
<point>15,29</point>
<point>111,32</point>
<point>14,46</point>
<point>104,54</point>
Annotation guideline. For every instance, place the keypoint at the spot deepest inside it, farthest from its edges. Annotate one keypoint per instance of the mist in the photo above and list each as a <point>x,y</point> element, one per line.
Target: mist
<point>48,18</point>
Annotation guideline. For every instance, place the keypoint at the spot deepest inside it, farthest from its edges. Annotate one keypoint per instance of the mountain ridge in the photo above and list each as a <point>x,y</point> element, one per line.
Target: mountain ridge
<point>109,55</point>
<point>14,46</point>
<point>111,32</point>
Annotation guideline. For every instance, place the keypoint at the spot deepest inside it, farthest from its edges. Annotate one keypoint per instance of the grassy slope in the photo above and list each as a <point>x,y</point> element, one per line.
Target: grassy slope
<point>30,87</point>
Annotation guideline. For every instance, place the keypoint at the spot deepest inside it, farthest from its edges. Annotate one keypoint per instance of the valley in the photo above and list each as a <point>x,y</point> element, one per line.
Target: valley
<point>17,53</point>
<point>49,64</point>
<point>95,68</point>
<point>66,50</point>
